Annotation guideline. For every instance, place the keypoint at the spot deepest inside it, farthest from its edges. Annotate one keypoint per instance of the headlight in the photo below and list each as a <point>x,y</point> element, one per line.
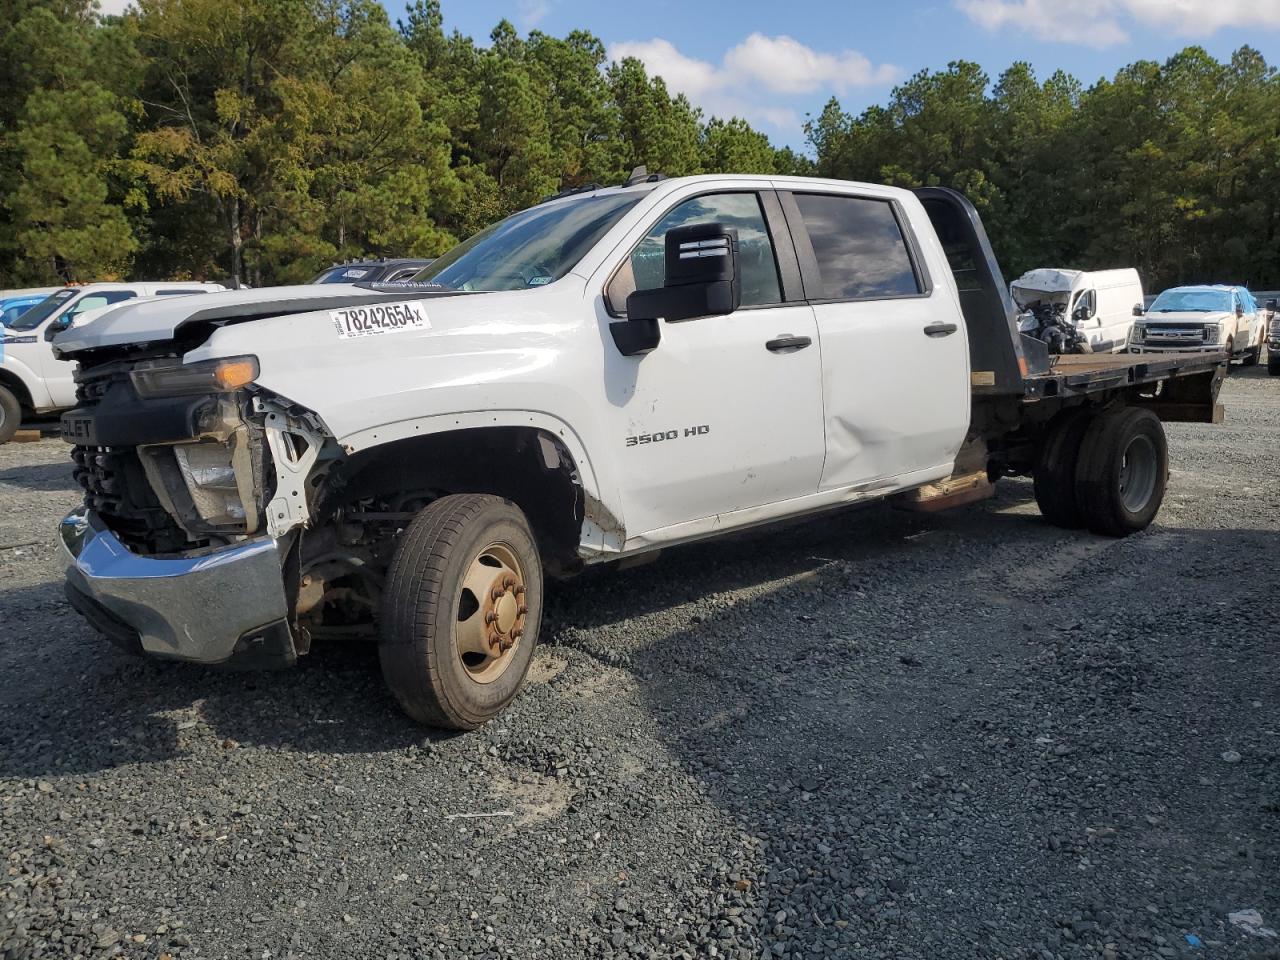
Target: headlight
<point>1211,332</point>
<point>1139,332</point>
<point>167,379</point>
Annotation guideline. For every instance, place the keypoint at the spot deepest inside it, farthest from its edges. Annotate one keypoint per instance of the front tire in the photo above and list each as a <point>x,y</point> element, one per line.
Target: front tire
<point>1273,364</point>
<point>10,415</point>
<point>1122,472</point>
<point>461,611</point>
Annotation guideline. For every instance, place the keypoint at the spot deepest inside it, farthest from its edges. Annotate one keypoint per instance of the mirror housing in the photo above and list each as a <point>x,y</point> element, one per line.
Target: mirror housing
<point>1080,314</point>
<point>1139,310</point>
<point>57,326</point>
<point>702,280</point>
<point>1239,309</point>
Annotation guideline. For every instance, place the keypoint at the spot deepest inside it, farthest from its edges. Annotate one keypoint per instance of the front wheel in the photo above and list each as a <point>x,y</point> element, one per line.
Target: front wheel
<point>1122,471</point>
<point>461,611</point>
<point>1252,355</point>
<point>1273,364</point>
<point>10,415</point>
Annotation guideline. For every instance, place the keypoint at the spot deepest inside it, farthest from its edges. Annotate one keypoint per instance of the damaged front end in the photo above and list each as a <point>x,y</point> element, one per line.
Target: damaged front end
<point>197,484</point>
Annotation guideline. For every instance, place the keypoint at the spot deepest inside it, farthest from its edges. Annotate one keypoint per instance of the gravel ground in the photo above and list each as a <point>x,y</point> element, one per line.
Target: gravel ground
<point>873,735</point>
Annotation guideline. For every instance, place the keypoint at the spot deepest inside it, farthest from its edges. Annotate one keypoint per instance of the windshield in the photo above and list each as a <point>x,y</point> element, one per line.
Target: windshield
<point>347,274</point>
<point>42,311</point>
<point>11,310</point>
<point>1192,301</point>
<point>532,248</point>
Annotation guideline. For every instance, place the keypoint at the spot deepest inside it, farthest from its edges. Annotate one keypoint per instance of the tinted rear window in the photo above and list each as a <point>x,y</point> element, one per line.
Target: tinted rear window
<point>859,246</point>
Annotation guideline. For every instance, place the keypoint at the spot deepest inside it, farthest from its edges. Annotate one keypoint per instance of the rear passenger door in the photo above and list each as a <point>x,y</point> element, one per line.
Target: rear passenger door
<point>895,365</point>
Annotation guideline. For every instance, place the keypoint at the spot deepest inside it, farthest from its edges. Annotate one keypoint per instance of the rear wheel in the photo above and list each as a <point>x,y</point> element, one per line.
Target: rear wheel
<point>10,415</point>
<point>1273,364</point>
<point>1055,472</point>
<point>1122,471</point>
<point>461,611</point>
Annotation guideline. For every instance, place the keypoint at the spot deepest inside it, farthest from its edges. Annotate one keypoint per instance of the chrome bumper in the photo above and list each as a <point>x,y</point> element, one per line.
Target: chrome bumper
<point>224,605</point>
<point>1198,348</point>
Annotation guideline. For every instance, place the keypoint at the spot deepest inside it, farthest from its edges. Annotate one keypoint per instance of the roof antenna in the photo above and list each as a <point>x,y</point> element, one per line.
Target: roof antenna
<point>639,175</point>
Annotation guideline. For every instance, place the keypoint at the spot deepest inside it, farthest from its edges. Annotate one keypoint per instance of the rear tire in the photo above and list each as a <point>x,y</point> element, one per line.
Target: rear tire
<point>1273,365</point>
<point>1122,471</point>
<point>1252,356</point>
<point>1055,471</point>
<point>461,611</point>
<point>10,415</point>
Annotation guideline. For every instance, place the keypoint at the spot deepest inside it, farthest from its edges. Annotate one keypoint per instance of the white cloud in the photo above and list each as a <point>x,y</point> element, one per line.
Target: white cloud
<point>1102,23</point>
<point>113,7</point>
<point>785,65</point>
<point>755,74</point>
<point>530,13</point>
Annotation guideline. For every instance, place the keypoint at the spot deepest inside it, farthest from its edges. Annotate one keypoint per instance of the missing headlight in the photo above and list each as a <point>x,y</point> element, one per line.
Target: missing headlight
<point>210,477</point>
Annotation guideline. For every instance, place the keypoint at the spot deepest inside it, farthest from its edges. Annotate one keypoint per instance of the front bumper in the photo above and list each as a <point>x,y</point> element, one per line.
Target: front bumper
<point>1198,348</point>
<point>225,606</point>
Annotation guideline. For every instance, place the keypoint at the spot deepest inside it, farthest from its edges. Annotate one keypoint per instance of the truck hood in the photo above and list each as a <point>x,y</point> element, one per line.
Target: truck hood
<point>1188,316</point>
<point>158,320</point>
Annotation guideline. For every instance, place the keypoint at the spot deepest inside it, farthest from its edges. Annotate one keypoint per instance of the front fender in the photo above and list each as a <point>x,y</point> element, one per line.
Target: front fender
<point>24,374</point>
<point>603,531</point>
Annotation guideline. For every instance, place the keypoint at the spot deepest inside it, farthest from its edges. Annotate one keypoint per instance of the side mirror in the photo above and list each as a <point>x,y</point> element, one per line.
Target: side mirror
<point>702,280</point>
<point>1239,309</point>
<point>1081,313</point>
<point>55,328</point>
<point>1139,310</point>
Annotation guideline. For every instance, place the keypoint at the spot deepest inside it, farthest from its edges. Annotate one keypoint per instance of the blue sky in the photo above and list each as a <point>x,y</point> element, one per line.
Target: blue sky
<point>774,61</point>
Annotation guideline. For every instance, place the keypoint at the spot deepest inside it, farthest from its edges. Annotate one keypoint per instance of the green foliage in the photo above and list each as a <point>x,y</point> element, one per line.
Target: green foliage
<point>263,139</point>
<point>1172,168</point>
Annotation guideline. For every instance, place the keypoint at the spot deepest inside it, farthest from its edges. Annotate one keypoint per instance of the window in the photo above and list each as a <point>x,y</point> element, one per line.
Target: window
<point>42,311</point>
<point>1086,306</point>
<point>1192,301</point>
<point>646,267</point>
<point>859,246</point>
<point>531,248</point>
<point>95,300</point>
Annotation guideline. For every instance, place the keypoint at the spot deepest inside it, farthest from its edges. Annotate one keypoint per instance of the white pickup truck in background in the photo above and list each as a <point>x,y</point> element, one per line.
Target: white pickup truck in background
<point>1204,319</point>
<point>35,382</point>
<point>608,373</point>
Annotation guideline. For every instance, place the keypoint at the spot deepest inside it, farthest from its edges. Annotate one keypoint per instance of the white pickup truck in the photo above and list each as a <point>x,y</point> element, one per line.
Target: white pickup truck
<point>1203,319</point>
<point>33,381</point>
<point>606,374</point>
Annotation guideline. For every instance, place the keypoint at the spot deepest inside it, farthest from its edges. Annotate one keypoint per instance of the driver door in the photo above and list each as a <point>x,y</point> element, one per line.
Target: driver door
<point>725,414</point>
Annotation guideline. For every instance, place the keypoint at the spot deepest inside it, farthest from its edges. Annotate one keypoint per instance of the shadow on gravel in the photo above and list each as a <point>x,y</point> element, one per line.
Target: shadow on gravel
<point>46,477</point>
<point>99,708</point>
<point>103,708</point>
<point>944,760</point>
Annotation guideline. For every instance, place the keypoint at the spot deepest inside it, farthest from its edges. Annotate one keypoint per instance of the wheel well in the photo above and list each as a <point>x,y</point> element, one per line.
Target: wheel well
<point>530,467</point>
<point>17,388</point>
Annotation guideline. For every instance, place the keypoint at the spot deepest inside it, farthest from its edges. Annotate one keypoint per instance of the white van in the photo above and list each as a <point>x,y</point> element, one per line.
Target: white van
<point>35,382</point>
<point>1102,304</point>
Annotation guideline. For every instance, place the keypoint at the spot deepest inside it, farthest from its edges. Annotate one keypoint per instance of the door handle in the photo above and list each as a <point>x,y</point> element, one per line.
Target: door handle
<point>940,329</point>
<point>787,342</point>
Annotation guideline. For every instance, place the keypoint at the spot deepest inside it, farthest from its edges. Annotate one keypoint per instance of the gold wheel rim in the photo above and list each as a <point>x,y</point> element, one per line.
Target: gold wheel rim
<point>490,613</point>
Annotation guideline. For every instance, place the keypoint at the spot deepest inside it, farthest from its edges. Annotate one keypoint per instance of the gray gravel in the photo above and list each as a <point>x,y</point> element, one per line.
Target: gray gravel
<point>874,735</point>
